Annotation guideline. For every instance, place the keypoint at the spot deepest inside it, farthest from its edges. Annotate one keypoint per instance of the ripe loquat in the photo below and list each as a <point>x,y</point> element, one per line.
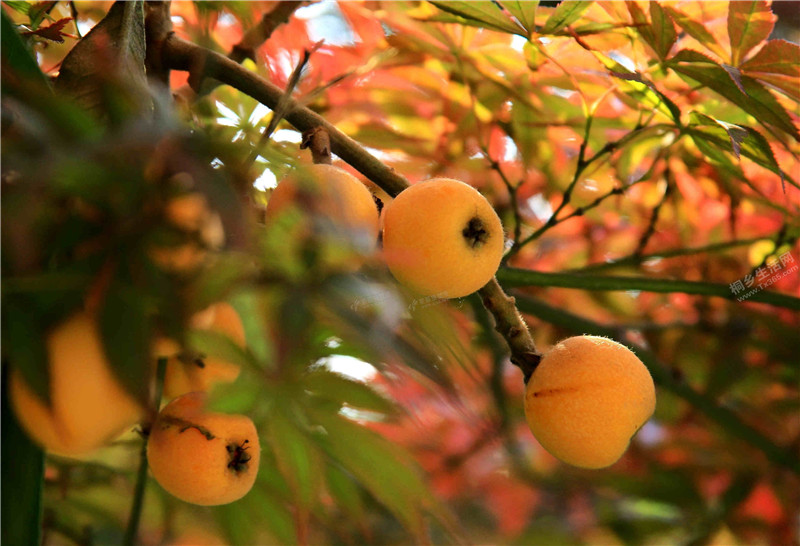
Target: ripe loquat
<point>336,204</point>
<point>200,457</point>
<point>442,237</point>
<point>188,372</point>
<point>587,398</point>
<point>88,406</point>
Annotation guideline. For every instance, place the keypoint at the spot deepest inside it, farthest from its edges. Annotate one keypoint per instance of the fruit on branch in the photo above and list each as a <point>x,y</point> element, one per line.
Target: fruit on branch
<point>442,237</point>
<point>587,398</point>
<point>336,206</point>
<point>88,406</point>
<point>189,371</point>
<point>199,230</point>
<point>201,457</point>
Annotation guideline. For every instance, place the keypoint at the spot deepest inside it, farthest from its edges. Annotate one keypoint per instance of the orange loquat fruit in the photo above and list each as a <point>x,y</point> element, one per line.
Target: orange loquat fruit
<point>201,457</point>
<point>442,237</point>
<point>587,398</point>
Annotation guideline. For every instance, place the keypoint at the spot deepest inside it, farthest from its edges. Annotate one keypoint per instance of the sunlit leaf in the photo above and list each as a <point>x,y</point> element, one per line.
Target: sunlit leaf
<point>658,32</point>
<point>524,11</point>
<point>338,388</point>
<point>488,14</point>
<point>742,140</point>
<point>695,29</point>
<point>640,88</point>
<point>566,13</point>
<point>17,59</point>
<point>757,100</point>
<point>778,64</point>
<point>750,22</point>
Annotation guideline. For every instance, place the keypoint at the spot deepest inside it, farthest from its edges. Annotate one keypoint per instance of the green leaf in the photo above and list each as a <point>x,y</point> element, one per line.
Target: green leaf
<point>297,457</point>
<point>565,14</point>
<point>218,345</point>
<point>641,89</point>
<point>778,64</point>
<point>20,6</point>
<point>658,32</point>
<point>756,101</point>
<point>274,514</point>
<point>750,22</point>
<point>18,62</point>
<point>22,481</point>
<point>385,471</point>
<point>114,48</point>
<point>125,332</point>
<point>742,140</point>
<point>338,388</point>
<point>664,35</point>
<point>345,492</point>
<point>515,277</point>
<point>23,347</point>
<point>488,14</point>
<point>524,11</point>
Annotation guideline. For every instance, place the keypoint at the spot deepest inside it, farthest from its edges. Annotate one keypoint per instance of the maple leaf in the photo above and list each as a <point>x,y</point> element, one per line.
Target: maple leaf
<point>52,32</point>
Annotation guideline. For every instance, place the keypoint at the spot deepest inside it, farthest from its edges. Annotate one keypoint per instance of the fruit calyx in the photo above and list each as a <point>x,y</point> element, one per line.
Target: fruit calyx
<point>475,233</point>
<point>238,456</point>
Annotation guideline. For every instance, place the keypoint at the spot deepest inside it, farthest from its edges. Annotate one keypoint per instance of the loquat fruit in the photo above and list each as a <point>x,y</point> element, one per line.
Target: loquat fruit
<point>336,203</point>
<point>587,398</point>
<point>201,457</point>
<point>188,372</point>
<point>442,237</point>
<point>88,406</point>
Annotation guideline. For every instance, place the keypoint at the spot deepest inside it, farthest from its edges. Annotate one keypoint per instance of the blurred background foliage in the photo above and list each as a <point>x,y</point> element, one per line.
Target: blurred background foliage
<point>643,158</point>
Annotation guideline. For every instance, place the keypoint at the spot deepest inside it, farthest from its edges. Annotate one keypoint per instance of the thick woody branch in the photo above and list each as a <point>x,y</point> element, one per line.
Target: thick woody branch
<point>202,63</point>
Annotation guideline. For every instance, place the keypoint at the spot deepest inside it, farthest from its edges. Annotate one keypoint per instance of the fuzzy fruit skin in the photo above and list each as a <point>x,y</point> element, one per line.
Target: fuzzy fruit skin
<point>331,194</point>
<point>88,406</point>
<point>182,377</point>
<point>587,398</point>
<point>424,244</point>
<point>193,467</point>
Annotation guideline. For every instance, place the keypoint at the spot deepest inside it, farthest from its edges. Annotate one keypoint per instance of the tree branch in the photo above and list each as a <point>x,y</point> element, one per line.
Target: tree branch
<point>202,63</point>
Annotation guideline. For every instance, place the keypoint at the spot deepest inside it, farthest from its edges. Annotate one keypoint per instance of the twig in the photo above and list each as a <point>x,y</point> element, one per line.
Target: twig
<point>651,224</point>
<point>280,109</point>
<point>73,9</point>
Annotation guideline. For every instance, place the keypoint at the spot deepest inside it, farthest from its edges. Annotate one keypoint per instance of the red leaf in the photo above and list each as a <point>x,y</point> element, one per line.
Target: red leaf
<point>778,64</point>
<point>52,32</point>
<point>750,22</point>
